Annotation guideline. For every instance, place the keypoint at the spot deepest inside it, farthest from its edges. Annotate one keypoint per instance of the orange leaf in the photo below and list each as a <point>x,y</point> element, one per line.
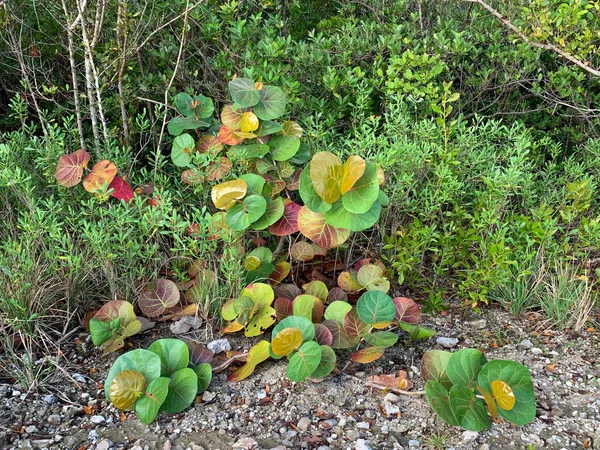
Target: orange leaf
<point>102,173</point>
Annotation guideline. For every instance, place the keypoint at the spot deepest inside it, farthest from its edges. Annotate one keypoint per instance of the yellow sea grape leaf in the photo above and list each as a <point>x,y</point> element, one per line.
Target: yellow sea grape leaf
<point>249,122</point>
<point>256,355</point>
<point>503,394</point>
<point>286,341</point>
<point>233,327</point>
<point>489,400</point>
<point>225,194</point>
<point>354,168</point>
<point>326,173</point>
<point>126,387</point>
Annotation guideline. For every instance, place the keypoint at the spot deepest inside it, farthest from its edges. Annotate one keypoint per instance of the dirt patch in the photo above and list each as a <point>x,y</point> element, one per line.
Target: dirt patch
<point>341,412</point>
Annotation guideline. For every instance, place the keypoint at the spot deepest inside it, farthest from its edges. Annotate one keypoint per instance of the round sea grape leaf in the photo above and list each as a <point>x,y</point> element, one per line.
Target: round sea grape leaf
<point>173,353</point>
<point>69,169</point>
<point>228,311</point>
<point>327,363</point>
<point>263,273</point>
<point>288,223</point>
<point>354,326</point>
<point>244,92</point>
<point>246,152</point>
<point>375,306</point>
<point>308,194</point>
<point>323,334</point>
<point>256,355</point>
<point>249,122</point>
<point>464,367</point>
<point>306,327</point>
<point>199,354</point>
<point>102,174</point>
<point>286,341</point>
<point>283,308</point>
<point>503,394</point>
<point>281,270</point>
<point>369,274</point>
<point>304,361</point>
<point>139,360</point>
<point>285,169</point>
<point>218,169</point>
<point>102,331</point>
<point>230,118</point>
<point>518,379</point>
<point>381,338</point>
<point>337,310</point>
<point>255,183</point>
<point>303,305</point>
<point>203,106</point>
<point>326,173</point>
<point>241,215</point>
<point>209,144</point>
<point>125,388</point>
<point>317,288</point>
<point>158,296</point>
<point>354,168</point>
<point>489,401</point>
<point>314,226</point>
<point>149,404</point>
<point>261,293</point>
<point>225,194</point>
<point>339,216</point>
<point>340,338</point>
<point>192,177</point>
<point>383,198</point>
<point>272,103</point>
<point>416,332</point>
<point>347,281</point>
<point>289,291</point>
<point>251,263</point>
<point>302,251</point>
<point>434,365</point>
<point>337,294</point>
<point>268,127</point>
<point>470,412</point>
<point>407,310</point>
<point>228,136</point>
<point>178,125</point>
<point>183,102</point>
<point>120,189</point>
<point>367,355</point>
<point>113,317</point>
<point>302,156</point>
<point>204,374</point>
<point>291,128</point>
<point>263,319</point>
<point>363,193</point>
<point>274,211</point>
<point>264,254</point>
<point>244,308</point>
<point>283,148</point>
<point>438,398</point>
<point>183,388</point>
<point>181,152</point>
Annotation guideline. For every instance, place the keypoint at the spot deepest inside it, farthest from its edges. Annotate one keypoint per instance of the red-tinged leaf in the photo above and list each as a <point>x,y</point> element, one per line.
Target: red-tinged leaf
<point>367,355</point>
<point>313,226</point>
<point>293,182</point>
<point>229,137</point>
<point>407,310</point>
<point>340,338</point>
<point>392,381</point>
<point>121,190</point>
<point>283,308</point>
<point>289,291</point>
<point>281,271</point>
<point>337,294</point>
<point>102,173</point>
<point>209,144</point>
<point>318,250</point>
<point>323,335</point>
<point>354,326</point>
<point>277,185</point>
<point>218,169</point>
<point>191,177</point>
<point>302,251</point>
<point>288,224</point>
<point>158,296</point>
<point>69,169</point>
<point>199,354</point>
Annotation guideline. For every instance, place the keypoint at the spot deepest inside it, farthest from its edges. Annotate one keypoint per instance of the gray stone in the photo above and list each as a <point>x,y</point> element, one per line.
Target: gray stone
<point>478,324</point>
<point>525,344</point>
<point>413,443</point>
<point>291,434</point>
<point>31,429</point>
<point>303,423</point>
<point>361,445</point>
<point>58,438</point>
<point>208,396</point>
<point>104,444</point>
<point>447,342</point>
<point>484,447</point>
<point>352,435</point>
<point>54,419</point>
<point>50,399</point>
<point>470,436</point>
<point>78,377</point>
<point>219,346</point>
<point>536,351</point>
<point>96,420</point>
<point>363,425</point>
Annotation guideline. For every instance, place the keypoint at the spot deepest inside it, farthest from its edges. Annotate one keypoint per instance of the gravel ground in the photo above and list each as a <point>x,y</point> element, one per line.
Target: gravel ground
<point>266,411</point>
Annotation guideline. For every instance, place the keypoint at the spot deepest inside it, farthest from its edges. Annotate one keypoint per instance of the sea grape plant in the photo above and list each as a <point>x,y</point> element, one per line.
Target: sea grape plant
<point>165,378</point>
<point>365,275</point>
<point>460,385</point>
<point>112,324</point>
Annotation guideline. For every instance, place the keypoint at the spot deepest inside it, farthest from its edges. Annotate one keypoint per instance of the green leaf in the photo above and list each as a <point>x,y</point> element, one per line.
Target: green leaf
<point>204,374</point>
<point>470,412</point>
<point>245,152</point>
<point>183,388</point>
<point>376,306</point>
<point>272,103</point>
<point>363,193</point>
<point>306,327</point>
<point>149,404</point>
<point>434,365</point>
<point>416,332</point>
<point>340,217</point>
<point>262,273</point>
<point>302,156</point>
<point>241,215</point>
<point>316,288</point>
<point>244,92</point>
<point>103,331</point>
<point>267,127</point>
<point>438,398</point>
<point>183,102</point>
<point>372,277</point>
<point>264,254</point>
<point>337,311</point>
<point>140,360</point>
<point>309,196</point>
<point>283,147</point>
<point>303,305</point>
<point>383,198</point>
<point>464,367</point>
<point>178,125</point>
<point>173,353</point>
<point>263,319</point>
<point>304,361</point>
<point>327,363</point>
<point>255,183</point>
<point>381,338</point>
<point>204,106</point>
<point>274,212</point>
<point>519,380</point>
<point>182,149</point>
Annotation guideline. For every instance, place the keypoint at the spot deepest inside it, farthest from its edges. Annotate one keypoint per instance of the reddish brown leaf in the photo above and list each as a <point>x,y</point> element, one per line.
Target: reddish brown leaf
<point>69,169</point>
<point>288,224</point>
<point>121,190</point>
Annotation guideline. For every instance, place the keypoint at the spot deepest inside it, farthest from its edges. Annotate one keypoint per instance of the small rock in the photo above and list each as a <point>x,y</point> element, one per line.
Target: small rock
<point>385,429</point>
<point>54,419</point>
<point>390,409</point>
<point>96,420</point>
<point>136,447</point>
<point>352,435</point>
<point>361,445</point>
<point>50,399</point>
<point>470,436</point>
<point>536,351</point>
<point>290,435</point>
<point>219,346</point>
<point>69,411</point>
<point>104,444</point>
<point>392,398</point>
<point>166,445</point>
<point>484,447</point>
<point>303,423</point>
<point>208,396</point>
<point>194,446</point>
<point>31,429</point>
<point>413,443</point>
<point>245,443</point>
<point>363,425</point>
<point>78,377</point>
<point>525,344</point>
<point>58,438</point>
<point>16,393</point>
<point>478,324</point>
<point>447,342</point>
